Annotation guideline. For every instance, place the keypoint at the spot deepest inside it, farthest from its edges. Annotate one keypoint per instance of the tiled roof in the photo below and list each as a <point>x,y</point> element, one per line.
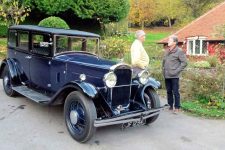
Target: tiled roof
<point>203,26</point>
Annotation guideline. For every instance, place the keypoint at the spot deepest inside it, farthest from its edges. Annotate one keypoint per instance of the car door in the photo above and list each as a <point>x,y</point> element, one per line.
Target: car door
<point>19,51</point>
<point>40,63</point>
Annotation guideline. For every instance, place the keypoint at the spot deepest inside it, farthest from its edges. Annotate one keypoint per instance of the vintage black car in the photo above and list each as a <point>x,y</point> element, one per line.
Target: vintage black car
<point>56,66</point>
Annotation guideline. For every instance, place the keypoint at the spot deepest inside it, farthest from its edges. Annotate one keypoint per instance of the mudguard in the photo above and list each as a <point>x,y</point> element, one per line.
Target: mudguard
<point>11,64</point>
<point>87,88</point>
<point>3,63</point>
<point>152,83</point>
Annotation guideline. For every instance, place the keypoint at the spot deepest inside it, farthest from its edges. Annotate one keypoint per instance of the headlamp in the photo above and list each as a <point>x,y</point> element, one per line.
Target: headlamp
<point>110,79</point>
<point>143,77</point>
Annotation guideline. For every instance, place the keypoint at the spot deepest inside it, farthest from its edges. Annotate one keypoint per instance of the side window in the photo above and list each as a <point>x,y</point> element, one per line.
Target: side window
<point>78,45</point>
<point>62,44</point>
<point>85,44</point>
<point>41,44</point>
<point>12,38</point>
<point>23,40</point>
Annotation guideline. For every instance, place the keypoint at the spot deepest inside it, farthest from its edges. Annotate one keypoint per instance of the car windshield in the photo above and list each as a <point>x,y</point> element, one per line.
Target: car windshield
<point>74,43</point>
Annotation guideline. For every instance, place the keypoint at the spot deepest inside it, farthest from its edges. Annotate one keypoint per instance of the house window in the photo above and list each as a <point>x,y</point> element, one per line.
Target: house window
<point>197,46</point>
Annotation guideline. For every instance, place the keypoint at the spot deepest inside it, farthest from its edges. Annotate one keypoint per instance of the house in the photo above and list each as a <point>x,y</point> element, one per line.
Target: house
<point>200,37</point>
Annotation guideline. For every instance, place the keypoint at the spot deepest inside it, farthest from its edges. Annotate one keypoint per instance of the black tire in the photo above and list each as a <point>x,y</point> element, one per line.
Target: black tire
<point>80,114</point>
<point>150,94</point>
<point>7,83</point>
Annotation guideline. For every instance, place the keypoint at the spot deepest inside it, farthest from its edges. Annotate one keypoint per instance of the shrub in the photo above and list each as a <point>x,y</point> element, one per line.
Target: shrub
<point>213,61</point>
<point>117,28</point>
<point>216,100</point>
<point>114,47</point>
<point>54,22</point>
<point>3,31</point>
<point>201,83</point>
<point>202,64</point>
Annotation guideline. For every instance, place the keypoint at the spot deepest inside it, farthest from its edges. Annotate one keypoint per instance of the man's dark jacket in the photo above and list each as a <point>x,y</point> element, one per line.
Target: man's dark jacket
<point>174,62</point>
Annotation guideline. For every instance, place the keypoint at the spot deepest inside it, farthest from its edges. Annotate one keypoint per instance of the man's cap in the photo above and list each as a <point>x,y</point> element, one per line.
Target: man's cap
<point>139,33</point>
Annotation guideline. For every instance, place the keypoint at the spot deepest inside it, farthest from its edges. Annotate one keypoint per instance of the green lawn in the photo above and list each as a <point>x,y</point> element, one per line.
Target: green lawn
<point>3,41</point>
<point>151,38</point>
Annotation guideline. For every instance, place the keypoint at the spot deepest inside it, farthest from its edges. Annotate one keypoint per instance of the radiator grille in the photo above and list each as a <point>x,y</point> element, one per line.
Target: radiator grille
<point>121,93</point>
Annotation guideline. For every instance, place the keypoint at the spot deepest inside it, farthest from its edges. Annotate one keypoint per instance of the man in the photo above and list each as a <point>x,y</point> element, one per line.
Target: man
<point>174,62</point>
<point>139,57</point>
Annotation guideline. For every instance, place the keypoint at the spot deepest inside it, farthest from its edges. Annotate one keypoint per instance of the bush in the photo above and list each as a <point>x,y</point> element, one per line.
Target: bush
<point>114,47</point>
<point>201,83</point>
<point>54,22</point>
<point>216,100</point>
<point>213,61</point>
<point>202,64</point>
<point>203,88</point>
<point>117,28</point>
<point>3,31</point>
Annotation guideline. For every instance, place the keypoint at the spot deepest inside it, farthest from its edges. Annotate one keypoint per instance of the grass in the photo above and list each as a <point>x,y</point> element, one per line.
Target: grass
<point>151,38</point>
<point>201,110</point>
<point>3,43</point>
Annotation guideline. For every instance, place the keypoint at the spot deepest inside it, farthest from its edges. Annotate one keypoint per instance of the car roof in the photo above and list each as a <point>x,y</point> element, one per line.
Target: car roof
<point>58,31</point>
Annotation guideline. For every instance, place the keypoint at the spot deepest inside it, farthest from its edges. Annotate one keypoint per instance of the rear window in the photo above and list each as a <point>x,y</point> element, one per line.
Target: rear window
<point>12,38</point>
<point>23,40</point>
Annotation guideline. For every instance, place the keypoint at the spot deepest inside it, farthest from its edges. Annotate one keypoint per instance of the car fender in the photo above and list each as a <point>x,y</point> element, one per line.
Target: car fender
<point>152,83</point>
<point>87,88</point>
<point>3,64</point>
<point>12,69</point>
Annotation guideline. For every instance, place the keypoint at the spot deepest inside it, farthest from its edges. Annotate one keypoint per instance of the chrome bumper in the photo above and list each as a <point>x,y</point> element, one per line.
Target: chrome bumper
<point>140,116</point>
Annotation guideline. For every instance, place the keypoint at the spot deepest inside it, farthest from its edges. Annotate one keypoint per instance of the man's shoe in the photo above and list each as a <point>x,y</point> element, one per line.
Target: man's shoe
<point>176,111</point>
<point>170,108</point>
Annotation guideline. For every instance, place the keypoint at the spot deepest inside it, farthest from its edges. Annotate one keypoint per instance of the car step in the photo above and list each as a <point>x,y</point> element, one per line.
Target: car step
<point>31,94</point>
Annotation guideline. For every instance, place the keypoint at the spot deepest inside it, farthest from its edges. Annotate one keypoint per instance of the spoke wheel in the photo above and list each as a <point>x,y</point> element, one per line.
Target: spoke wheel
<point>152,100</point>
<point>80,114</point>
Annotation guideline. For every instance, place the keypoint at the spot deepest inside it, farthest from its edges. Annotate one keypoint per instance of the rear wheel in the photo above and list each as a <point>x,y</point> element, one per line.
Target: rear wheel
<point>7,83</point>
<point>152,99</point>
<point>80,114</point>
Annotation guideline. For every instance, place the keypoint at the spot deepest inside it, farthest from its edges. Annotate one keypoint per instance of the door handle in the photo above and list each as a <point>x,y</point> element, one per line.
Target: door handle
<point>28,57</point>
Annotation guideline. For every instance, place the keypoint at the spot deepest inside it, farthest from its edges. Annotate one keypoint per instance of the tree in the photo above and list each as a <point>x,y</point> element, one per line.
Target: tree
<point>197,7</point>
<point>52,7</point>
<point>142,11</point>
<point>111,10</point>
<point>169,9</point>
<point>105,11</point>
<point>12,12</point>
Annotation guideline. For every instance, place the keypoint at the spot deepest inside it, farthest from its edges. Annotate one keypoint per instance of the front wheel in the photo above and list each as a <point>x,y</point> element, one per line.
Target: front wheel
<point>80,114</point>
<point>152,99</point>
<point>7,83</point>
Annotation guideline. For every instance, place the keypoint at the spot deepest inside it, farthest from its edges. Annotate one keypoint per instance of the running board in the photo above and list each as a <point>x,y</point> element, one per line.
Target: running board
<point>31,94</point>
